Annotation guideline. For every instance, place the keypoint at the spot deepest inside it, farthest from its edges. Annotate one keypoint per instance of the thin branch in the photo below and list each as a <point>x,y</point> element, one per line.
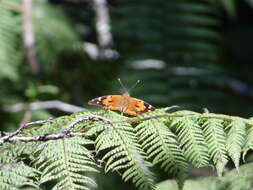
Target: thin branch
<point>28,36</point>
<point>91,118</point>
<point>43,137</point>
<point>103,23</point>
<point>95,53</point>
<point>66,132</point>
<point>52,104</point>
<point>104,35</point>
<point>206,116</point>
<point>21,128</point>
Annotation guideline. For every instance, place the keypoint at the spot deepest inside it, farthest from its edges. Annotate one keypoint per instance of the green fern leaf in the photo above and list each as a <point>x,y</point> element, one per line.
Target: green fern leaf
<point>216,142</point>
<point>235,140</point>
<point>13,176</point>
<point>67,161</point>
<point>123,151</point>
<point>161,146</point>
<point>191,139</point>
<point>248,141</point>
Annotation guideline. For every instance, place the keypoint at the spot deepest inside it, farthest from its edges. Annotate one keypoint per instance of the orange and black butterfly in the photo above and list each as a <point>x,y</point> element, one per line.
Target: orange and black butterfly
<point>123,103</point>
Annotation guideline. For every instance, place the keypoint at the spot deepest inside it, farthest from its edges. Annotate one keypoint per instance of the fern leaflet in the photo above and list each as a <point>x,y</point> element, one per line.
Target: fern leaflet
<point>216,142</point>
<point>235,140</point>
<point>67,161</point>
<point>161,146</point>
<point>13,176</point>
<point>191,139</point>
<point>123,151</point>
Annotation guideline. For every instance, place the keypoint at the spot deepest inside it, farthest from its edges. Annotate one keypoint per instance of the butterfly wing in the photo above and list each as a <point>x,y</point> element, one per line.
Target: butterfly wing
<point>126,104</point>
<point>111,102</point>
<point>137,106</point>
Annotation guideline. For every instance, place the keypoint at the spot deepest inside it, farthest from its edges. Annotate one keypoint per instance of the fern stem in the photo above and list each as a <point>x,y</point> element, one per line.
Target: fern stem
<point>204,116</point>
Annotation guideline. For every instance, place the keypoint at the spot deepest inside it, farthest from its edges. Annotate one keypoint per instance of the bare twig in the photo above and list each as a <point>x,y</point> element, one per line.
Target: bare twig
<point>102,50</point>
<point>103,23</point>
<point>66,132</point>
<point>91,118</point>
<point>21,128</point>
<point>56,104</point>
<point>43,137</point>
<point>28,36</point>
<point>205,116</point>
<point>104,35</point>
<point>97,53</point>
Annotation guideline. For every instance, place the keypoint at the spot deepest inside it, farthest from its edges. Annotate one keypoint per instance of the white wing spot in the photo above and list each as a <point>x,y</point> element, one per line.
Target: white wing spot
<point>99,99</point>
<point>149,107</point>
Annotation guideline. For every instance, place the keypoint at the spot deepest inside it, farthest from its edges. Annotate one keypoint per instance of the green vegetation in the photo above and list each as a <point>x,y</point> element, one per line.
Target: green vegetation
<point>130,147</point>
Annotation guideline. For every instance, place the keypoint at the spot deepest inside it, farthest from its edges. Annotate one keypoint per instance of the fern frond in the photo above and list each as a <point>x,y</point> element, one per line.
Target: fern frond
<point>123,151</point>
<point>170,140</point>
<point>161,145</point>
<point>13,176</point>
<point>67,161</point>
<point>235,140</point>
<point>248,141</point>
<point>216,142</point>
<point>191,139</point>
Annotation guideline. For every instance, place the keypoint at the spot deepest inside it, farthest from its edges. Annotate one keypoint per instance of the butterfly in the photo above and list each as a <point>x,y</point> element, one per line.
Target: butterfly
<point>123,103</point>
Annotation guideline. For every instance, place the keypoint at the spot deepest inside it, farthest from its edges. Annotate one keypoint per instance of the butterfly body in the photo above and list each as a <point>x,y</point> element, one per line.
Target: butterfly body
<point>123,103</point>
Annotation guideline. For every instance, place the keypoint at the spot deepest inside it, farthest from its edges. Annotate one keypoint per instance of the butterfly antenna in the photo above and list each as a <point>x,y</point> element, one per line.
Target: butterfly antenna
<point>125,89</point>
<point>137,82</point>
